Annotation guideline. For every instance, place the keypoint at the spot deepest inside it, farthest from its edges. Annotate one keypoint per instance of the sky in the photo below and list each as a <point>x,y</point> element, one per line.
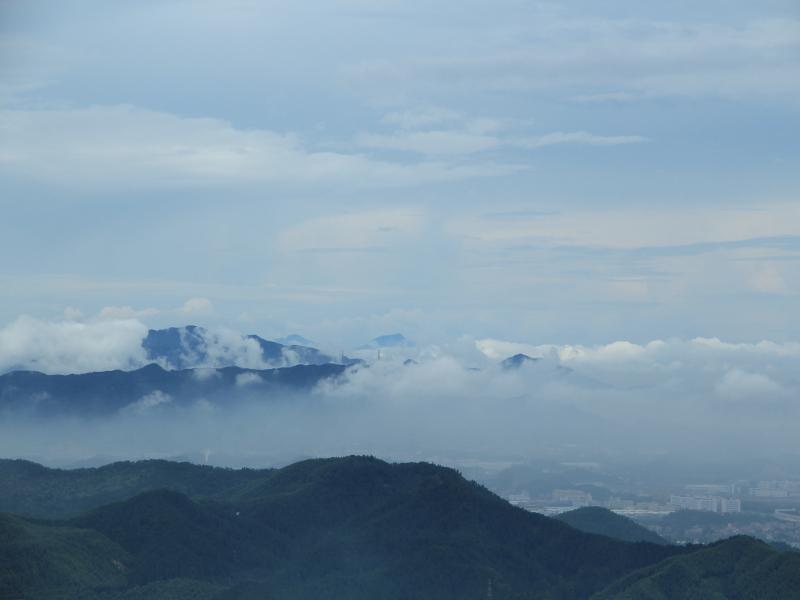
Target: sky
<point>568,173</point>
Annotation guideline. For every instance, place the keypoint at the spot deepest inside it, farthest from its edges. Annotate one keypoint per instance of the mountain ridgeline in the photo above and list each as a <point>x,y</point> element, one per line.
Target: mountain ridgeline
<point>192,346</point>
<point>185,364</point>
<point>32,490</point>
<point>349,528</point>
<point>148,389</point>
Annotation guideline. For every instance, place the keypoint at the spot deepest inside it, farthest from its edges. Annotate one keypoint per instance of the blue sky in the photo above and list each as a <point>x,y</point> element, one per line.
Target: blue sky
<point>573,172</point>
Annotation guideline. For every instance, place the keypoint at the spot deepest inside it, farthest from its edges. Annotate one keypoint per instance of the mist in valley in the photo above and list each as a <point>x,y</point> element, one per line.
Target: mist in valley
<point>460,402</point>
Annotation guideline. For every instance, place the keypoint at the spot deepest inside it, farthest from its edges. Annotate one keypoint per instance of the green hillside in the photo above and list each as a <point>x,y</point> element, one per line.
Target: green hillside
<point>43,561</point>
<point>740,568</point>
<point>358,528</point>
<point>402,528</point>
<point>27,488</point>
<point>594,519</point>
<point>353,528</point>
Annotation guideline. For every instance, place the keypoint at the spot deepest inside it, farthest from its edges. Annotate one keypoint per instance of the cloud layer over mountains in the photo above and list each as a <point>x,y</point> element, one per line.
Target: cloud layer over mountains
<point>71,346</point>
<point>762,369</point>
<point>453,399</point>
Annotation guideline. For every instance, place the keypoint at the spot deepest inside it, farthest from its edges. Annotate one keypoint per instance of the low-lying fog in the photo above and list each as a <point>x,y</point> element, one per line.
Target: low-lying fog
<point>702,398</point>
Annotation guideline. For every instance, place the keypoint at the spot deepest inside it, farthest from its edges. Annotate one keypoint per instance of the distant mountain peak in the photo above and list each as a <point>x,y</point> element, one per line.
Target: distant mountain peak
<point>391,340</point>
<point>294,339</point>
<point>516,361</point>
<point>193,346</point>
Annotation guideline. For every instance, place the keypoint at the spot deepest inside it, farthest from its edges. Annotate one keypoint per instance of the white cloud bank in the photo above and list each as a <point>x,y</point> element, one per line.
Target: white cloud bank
<point>113,340</point>
<point>147,403</point>
<point>224,347</point>
<point>71,346</point>
<point>702,373</point>
<point>699,395</point>
<point>703,369</point>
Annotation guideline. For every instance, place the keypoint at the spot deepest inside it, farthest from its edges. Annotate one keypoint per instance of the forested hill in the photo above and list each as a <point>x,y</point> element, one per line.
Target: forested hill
<point>352,528</point>
<point>595,519</point>
<point>30,489</point>
<point>356,528</point>
<point>739,568</point>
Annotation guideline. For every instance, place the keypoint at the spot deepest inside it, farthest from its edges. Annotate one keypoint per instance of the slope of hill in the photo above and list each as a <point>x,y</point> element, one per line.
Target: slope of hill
<point>107,392</point>
<point>594,519</point>
<point>360,528</point>
<point>739,568</point>
<point>357,528</point>
<point>171,536</point>
<point>27,488</point>
<point>38,560</point>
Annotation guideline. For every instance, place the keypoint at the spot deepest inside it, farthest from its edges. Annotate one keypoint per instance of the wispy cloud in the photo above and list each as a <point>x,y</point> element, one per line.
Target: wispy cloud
<point>580,137</point>
<point>111,145</point>
<point>193,306</point>
<point>462,142</point>
<point>636,228</point>
<point>605,59</point>
<point>430,142</point>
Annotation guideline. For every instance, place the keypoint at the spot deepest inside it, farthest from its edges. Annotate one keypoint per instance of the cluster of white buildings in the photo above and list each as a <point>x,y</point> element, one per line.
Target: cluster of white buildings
<point>776,489</point>
<point>717,504</point>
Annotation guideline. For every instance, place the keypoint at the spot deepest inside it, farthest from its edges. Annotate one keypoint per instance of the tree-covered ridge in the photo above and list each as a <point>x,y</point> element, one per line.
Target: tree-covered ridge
<point>330,526</point>
<point>30,393</point>
<point>595,519</point>
<point>44,560</point>
<point>29,489</point>
<point>353,528</point>
<point>739,568</point>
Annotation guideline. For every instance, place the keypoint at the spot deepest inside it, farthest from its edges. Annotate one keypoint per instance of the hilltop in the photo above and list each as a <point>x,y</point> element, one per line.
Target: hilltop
<point>595,519</point>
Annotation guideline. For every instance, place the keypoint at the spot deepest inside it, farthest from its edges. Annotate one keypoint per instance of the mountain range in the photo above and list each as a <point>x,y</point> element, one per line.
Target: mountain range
<point>191,363</point>
<point>192,346</point>
<point>150,388</point>
<point>184,364</point>
<point>348,528</point>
